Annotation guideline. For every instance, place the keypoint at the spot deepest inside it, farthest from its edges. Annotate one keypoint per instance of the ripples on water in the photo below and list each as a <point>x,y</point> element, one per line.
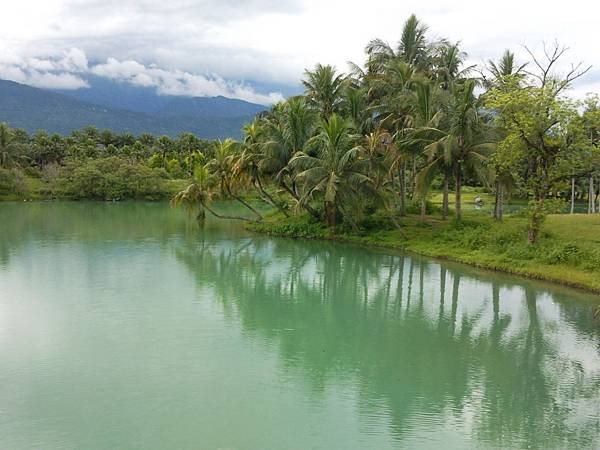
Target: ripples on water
<point>124,326</point>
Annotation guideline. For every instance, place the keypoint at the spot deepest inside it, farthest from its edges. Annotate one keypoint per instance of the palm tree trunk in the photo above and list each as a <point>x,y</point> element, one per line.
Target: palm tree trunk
<point>222,216</point>
<point>306,207</point>
<point>445,197</point>
<point>498,201</point>
<point>572,195</point>
<point>403,189</point>
<point>245,203</point>
<point>267,197</point>
<point>458,199</point>
<point>413,179</point>
<point>592,199</point>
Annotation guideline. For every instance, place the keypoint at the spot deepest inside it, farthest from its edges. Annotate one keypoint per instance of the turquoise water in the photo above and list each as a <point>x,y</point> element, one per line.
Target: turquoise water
<point>124,326</point>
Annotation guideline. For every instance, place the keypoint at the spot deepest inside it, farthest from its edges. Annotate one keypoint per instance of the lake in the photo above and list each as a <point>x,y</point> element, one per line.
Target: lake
<point>125,326</point>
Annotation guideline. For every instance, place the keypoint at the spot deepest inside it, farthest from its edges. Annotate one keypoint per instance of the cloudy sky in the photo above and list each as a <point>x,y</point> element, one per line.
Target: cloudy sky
<point>256,50</point>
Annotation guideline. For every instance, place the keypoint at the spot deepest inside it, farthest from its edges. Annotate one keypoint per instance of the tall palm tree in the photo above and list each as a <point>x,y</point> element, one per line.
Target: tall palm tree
<point>324,89</point>
<point>335,173</point>
<point>412,47</point>
<point>463,143</point>
<point>502,75</point>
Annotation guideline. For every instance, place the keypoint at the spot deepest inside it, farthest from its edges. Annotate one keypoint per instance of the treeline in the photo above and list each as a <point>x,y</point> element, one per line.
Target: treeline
<point>375,141</point>
<point>94,164</point>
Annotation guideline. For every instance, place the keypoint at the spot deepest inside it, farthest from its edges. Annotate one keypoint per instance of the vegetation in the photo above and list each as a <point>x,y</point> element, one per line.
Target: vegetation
<point>99,165</point>
<point>361,153</point>
<point>415,118</point>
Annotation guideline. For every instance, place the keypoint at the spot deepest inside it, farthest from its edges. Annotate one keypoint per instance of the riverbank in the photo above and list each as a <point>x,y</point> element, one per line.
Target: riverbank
<point>568,251</point>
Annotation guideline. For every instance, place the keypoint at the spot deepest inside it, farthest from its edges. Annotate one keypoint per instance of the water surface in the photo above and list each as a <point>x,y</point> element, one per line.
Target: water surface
<point>124,326</point>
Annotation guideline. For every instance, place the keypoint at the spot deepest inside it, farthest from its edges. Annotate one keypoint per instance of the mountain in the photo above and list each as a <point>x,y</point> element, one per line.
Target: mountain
<point>31,108</point>
<point>121,95</point>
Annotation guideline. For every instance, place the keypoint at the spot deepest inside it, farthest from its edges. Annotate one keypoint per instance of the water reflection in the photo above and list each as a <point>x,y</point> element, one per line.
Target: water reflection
<point>436,354</point>
<point>512,363</point>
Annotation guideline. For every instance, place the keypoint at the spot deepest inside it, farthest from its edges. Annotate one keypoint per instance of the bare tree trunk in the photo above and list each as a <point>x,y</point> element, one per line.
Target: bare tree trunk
<point>458,199</point>
<point>445,197</point>
<point>572,195</point>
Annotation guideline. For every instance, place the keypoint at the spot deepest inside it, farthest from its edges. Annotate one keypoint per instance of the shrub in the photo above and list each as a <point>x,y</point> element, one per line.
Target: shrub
<point>112,178</point>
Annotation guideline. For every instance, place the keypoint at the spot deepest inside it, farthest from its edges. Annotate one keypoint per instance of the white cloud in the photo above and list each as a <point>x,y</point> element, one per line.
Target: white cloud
<point>273,41</point>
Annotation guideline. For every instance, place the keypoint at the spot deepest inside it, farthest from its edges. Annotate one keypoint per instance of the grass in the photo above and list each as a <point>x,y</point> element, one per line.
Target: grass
<point>568,250</point>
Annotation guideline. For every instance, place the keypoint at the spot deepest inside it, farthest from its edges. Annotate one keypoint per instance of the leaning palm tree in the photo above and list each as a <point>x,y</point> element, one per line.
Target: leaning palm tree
<point>335,173</point>
<point>288,128</point>
<point>223,167</point>
<point>324,89</point>
<point>199,195</point>
<point>251,161</point>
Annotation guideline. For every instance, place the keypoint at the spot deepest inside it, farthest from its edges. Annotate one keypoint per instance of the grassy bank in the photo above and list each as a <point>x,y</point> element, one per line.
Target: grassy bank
<point>568,252</point>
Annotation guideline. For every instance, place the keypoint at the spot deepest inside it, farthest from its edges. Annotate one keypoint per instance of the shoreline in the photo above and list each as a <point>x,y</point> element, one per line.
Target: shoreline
<point>547,273</point>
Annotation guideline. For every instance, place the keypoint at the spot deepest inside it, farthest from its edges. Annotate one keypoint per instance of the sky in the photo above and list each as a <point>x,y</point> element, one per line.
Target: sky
<point>257,50</point>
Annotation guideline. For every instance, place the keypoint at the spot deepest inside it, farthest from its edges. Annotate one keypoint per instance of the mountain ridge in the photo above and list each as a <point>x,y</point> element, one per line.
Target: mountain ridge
<point>31,108</point>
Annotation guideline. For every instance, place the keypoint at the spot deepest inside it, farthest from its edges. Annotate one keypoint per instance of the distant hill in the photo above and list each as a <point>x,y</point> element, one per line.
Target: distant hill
<point>31,108</point>
<point>120,95</point>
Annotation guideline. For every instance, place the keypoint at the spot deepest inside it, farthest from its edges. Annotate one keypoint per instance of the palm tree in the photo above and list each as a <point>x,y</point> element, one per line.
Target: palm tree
<point>199,194</point>
<point>448,64</point>
<point>504,74</point>
<point>222,166</point>
<point>504,71</point>
<point>288,128</point>
<point>463,143</point>
<point>10,148</point>
<point>324,89</point>
<point>251,161</point>
<point>335,173</point>
<point>412,47</point>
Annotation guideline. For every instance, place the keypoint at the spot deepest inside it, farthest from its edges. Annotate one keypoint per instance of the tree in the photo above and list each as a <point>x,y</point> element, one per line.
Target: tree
<point>222,166</point>
<point>464,142</point>
<point>335,173</point>
<point>324,89</point>
<point>536,120</point>
<point>10,148</point>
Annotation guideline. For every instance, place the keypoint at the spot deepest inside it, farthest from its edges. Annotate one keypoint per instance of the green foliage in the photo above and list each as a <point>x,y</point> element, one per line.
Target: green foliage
<point>111,178</point>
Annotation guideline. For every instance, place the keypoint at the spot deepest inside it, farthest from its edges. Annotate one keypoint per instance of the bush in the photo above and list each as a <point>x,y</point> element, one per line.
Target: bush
<point>11,182</point>
<point>112,178</point>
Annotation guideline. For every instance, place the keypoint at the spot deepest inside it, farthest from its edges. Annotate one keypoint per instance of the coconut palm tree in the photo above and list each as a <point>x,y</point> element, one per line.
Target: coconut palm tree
<point>199,195</point>
<point>251,161</point>
<point>463,142</point>
<point>335,172</point>
<point>324,89</point>
<point>222,166</point>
